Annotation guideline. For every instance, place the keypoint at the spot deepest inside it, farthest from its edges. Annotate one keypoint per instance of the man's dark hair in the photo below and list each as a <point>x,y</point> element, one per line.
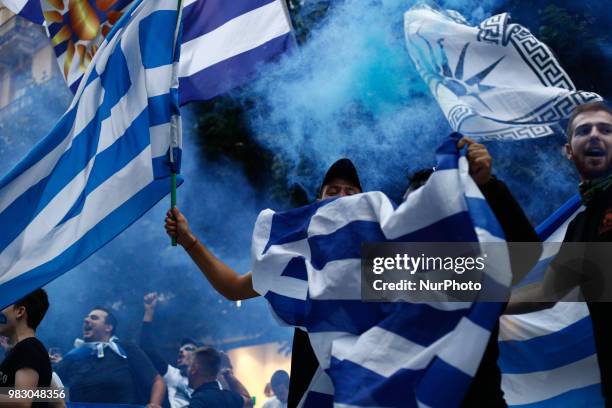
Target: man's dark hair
<point>36,305</point>
<point>280,377</point>
<point>209,359</point>
<point>189,340</point>
<point>587,107</point>
<point>110,317</point>
<point>225,363</point>
<point>419,178</point>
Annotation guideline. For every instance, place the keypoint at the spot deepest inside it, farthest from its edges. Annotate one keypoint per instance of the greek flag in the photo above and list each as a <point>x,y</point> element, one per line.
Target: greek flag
<point>222,41</point>
<point>548,358</point>
<point>494,81</point>
<point>29,9</point>
<point>306,262</point>
<point>105,163</point>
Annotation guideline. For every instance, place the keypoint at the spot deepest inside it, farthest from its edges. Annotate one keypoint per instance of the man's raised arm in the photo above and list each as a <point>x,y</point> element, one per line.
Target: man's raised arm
<point>224,279</point>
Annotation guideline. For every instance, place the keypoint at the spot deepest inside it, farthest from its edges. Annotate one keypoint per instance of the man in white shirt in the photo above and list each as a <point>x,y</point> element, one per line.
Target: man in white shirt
<point>280,385</point>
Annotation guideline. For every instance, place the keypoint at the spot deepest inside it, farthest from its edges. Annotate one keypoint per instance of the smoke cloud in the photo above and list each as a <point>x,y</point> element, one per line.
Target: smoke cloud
<point>353,91</point>
<point>350,90</point>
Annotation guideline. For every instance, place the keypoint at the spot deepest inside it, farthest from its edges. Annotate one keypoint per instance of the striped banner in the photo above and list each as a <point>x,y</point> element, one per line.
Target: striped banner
<point>222,43</point>
<point>492,81</point>
<point>548,358</point>
<point>306,262</point>
<point>106,162</point>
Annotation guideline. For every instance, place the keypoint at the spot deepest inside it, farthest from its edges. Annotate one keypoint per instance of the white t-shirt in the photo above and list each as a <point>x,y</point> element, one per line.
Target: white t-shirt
<point>179,392</point>
<point>274,403</point>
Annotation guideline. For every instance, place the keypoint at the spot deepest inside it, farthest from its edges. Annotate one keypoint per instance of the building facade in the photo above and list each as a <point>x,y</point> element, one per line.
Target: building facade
<point>26,59</point>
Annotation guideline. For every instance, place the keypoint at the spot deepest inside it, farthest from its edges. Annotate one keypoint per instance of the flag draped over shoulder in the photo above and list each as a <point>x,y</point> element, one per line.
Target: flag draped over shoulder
<point>494,81</point>
<point>306,262</point>
<point>222,41</point>
<point>105,163</point>
<point>548,358</point>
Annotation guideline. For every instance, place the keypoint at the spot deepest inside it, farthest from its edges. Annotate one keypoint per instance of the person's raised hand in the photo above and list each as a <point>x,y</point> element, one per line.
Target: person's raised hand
<point>479,159</point>
<point>150,300</point>
<point>176,226</point>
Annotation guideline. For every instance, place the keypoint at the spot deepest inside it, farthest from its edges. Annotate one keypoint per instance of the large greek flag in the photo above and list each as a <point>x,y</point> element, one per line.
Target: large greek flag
<point>222,43</point>
<point>494,81</point>
<point>548,358</point>
<point>306,262</point>
<point>105,163</point>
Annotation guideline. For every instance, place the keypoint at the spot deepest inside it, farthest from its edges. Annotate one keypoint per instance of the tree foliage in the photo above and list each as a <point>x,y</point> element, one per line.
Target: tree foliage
<point>223,132</point>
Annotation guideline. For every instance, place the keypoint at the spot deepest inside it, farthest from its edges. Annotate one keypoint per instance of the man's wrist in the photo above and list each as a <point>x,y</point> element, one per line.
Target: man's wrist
<point>490,182</point>
<point>191,243</point>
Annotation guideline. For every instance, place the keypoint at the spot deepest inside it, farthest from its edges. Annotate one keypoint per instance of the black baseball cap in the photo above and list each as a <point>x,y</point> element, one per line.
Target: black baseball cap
<point>342,169</point>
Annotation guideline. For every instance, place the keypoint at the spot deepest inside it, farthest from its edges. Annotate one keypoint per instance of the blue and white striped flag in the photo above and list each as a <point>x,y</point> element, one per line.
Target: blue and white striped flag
<point>224,41</point>
<point>29,9</point>
<point>494,81</point>
<point>306,262</point>
<point>548,358</point>
<point>221,46</point>
<point>105,163</point>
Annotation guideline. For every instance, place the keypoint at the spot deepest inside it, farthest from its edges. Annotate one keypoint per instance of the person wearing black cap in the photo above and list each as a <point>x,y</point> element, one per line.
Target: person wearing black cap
<point>340,180</point>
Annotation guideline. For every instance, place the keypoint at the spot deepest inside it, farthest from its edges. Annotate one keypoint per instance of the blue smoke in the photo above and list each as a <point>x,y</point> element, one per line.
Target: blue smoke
<point>353,91</point>
<point>350,90</point>
<point>221,207</point>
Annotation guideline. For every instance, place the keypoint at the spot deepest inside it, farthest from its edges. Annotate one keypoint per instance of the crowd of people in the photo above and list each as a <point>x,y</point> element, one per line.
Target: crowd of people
<point>102,368</point>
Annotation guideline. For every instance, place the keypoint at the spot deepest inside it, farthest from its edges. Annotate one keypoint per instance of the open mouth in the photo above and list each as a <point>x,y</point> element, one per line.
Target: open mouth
<point>594,152</point>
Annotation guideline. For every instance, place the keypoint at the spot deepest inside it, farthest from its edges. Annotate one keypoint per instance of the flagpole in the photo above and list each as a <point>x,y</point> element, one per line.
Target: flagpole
<point>173,197</point>
<point>288,17</point>
<point>179,12</point>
